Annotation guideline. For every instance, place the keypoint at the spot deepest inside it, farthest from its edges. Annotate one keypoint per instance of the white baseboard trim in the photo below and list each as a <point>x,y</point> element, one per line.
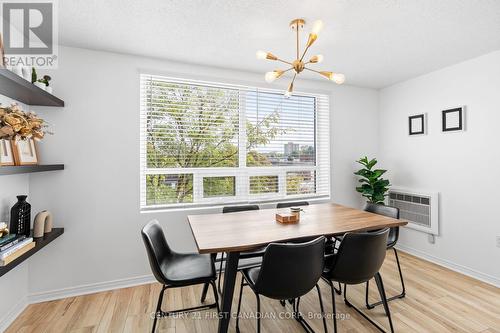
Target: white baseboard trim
<point>451,265</point>
<point>89,289</point>
<point>12,314</point>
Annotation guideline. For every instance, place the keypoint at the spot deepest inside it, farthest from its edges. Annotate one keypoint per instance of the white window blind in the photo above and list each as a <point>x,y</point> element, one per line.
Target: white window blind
<point>205,144</point>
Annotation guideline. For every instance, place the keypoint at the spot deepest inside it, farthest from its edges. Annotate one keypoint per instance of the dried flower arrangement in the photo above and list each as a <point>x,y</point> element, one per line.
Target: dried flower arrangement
<point>16,124</point>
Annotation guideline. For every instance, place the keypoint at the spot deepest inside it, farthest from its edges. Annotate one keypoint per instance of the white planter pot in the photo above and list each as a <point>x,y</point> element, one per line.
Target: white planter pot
<point>40,85</point>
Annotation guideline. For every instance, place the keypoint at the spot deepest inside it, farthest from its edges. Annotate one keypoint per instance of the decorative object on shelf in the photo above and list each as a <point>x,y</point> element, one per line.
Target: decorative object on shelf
<point>27,73</point>
<point>298,65</point>
<point>4,230</point>
<point>453,119</point>
<point>18,70</point>
<point>34,76</point>
<point>6,154</point>
<point>19,125</point>
<point>417,124</point>
<point>42,224</point>
<point>42,83</point>
<point>373,186</point>
<point>20,216</point>
<point>25,152</point>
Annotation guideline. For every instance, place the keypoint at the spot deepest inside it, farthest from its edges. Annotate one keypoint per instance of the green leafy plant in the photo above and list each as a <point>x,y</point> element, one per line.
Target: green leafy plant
<point>46,79</point>
<point>373,186</point>
<point>33,75</point>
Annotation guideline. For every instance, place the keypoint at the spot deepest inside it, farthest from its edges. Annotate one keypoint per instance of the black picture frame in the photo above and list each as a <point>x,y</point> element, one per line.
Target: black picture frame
<point>413,131</point>
<point>446,127</point>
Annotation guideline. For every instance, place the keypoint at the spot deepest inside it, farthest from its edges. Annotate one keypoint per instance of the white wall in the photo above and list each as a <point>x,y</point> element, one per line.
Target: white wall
<point>462,166</point>
<point>97,136</point>
<point>14,284</point>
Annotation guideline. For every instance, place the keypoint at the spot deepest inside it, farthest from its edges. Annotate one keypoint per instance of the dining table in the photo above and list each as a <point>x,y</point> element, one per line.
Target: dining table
<point>233,233</point>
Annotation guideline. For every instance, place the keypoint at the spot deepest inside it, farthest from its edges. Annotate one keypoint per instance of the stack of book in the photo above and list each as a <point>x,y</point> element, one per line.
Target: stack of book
<point>13,246</point>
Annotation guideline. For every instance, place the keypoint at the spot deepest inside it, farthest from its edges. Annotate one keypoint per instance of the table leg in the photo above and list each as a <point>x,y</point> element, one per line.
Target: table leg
<point>228,290</point>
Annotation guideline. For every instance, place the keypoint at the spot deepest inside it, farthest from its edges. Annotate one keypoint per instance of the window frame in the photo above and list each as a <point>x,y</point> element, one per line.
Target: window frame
<point>242,172</point>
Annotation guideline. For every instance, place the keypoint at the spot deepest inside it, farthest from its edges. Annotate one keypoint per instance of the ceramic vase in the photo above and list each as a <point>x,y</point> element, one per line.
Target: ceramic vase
<point>20,217</point>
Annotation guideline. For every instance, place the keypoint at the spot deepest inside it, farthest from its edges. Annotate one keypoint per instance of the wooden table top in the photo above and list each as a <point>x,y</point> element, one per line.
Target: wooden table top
<point>247,230</point>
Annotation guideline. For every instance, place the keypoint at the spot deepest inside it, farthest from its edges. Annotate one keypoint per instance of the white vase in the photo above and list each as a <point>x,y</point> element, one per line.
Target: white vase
<point>18,70</point>
<point>27,73</point>
<point>40,85</point>
<point>48,89</point>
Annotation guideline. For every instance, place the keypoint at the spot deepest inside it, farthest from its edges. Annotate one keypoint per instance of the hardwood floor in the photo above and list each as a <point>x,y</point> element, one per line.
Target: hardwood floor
<point>438,300</point>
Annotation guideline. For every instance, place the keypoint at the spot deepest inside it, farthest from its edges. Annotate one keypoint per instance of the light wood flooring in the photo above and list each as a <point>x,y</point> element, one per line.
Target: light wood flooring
<point>438,300</point>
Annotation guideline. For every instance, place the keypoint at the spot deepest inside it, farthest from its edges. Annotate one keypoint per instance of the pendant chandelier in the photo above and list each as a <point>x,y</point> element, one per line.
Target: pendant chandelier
<point>298,65</point>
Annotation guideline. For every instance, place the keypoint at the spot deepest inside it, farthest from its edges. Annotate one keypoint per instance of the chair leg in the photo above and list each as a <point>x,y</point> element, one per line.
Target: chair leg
<point>403,292</point>
<point>239,306</point>
<point>382,292</point>
<point>204,293</point>
<point>380,286</point>
<point>334,314</point>
<point>216,295</point>
<point>322,308</point>
<point>220,273</point>
<point>258,312</point>
<point>158,307</point>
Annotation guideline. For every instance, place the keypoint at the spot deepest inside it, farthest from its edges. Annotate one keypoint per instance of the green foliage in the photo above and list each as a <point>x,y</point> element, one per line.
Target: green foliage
<point>373,186</point>
<point>198,128</point>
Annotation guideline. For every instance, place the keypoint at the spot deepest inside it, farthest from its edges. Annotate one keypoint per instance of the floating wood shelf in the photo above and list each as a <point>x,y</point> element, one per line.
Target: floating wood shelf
<point>13,170</point>
<point>15,87</point>
<point>39,244</point>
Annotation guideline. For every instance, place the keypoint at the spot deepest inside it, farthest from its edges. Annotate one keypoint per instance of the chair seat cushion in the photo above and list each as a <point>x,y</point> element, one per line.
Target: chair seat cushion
<point>188,268</point>
<point>251,275</point>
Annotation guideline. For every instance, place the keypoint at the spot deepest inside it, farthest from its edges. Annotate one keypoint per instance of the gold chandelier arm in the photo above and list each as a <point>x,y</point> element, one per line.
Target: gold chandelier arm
<point>303,54</point>
<point>283,61</point>
<point>312,70</point>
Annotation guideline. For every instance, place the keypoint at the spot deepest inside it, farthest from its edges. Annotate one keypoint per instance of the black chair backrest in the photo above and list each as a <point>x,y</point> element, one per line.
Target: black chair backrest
<point>157,248</point>
<point>388,211</point>
<point>292,204</point>
<point>234,209</point>
<point>359,257</point>
<point>290,270</point>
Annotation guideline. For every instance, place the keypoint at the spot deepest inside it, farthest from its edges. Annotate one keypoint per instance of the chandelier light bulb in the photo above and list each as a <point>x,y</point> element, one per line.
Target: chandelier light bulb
<point>316,59</point>
<point>317,27</point>
<point>261,54</point>
<point>288,94</point>
<point>338,78</point>
<point>271,76</point>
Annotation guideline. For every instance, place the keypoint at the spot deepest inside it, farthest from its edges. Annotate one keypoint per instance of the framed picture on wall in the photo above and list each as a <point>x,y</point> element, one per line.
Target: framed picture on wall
<point>6,155</point>
<point>417,124</point>
<point>25,152</point>
<point>453,119</point>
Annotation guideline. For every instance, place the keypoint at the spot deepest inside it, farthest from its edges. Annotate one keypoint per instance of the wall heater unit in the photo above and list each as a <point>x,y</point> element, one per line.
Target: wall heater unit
<point>420,209</point>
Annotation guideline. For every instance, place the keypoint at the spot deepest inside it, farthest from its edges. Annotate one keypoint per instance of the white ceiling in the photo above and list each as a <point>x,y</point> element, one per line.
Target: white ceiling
<point>375,43</point>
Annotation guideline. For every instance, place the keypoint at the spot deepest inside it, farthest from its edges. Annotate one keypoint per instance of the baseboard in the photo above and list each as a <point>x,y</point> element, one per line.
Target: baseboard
<point>12,314</point>
<point>451,265</point>
<point>89,289</point>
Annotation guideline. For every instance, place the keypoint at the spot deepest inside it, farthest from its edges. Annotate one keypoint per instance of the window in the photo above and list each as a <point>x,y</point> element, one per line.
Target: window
<point>206,143</point>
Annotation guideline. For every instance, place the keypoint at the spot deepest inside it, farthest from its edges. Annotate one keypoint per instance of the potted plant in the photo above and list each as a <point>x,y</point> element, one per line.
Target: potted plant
<point>46,79</point>
<point>42,83</point>
<point>373,187</point>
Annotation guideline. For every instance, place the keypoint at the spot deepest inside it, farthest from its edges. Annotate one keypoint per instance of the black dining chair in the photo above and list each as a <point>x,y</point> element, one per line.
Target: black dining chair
<point>358,259</point>
<point>173,269</point>
<point>292,204</point>
<point>288,271</point>
<point>259,252</point>
<point>392,239</point>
